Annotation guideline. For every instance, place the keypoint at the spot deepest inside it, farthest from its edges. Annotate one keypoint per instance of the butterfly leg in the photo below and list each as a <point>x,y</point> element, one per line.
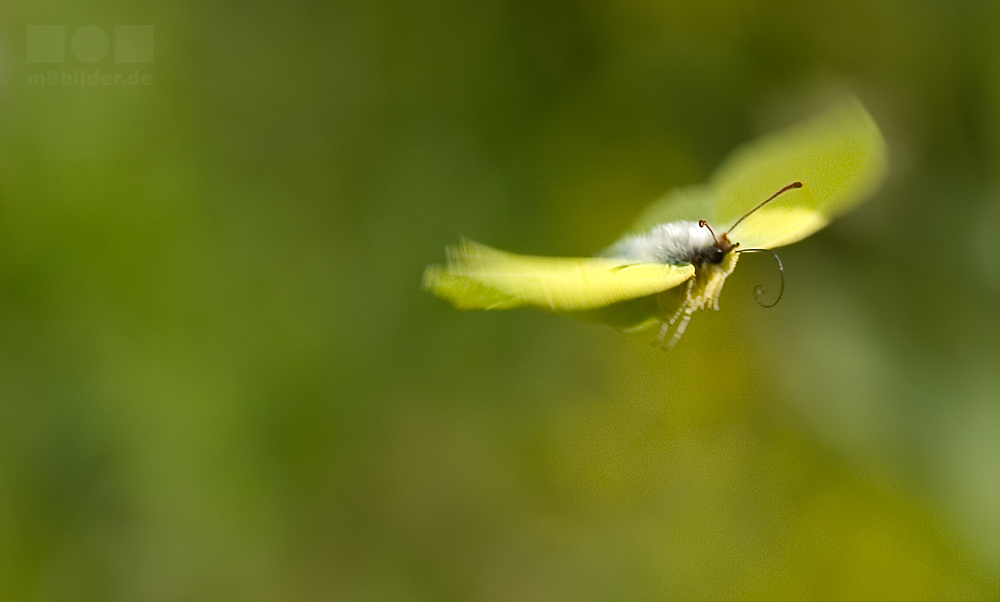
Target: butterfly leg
<point>680,329</point>
<point>664,329</point>
<point>684,309</point>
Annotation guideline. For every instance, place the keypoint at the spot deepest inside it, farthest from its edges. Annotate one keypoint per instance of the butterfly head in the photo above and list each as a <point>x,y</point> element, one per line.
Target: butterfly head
<point>722,246</point>
<point>718,250</point>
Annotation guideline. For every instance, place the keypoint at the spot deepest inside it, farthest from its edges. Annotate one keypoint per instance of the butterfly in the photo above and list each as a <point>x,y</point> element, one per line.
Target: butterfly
<point>674,260</point>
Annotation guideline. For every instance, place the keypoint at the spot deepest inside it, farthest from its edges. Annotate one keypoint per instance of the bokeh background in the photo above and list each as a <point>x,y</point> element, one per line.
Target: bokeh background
<point>219,378</point>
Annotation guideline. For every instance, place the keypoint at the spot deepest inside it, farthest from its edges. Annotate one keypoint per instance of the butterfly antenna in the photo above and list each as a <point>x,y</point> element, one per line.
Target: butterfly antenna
<point>759,290</point>
<point>704,224</point>
<point>769,199</point>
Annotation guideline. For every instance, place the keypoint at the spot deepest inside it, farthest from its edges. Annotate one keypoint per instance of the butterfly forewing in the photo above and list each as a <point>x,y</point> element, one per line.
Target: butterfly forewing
<point>839,157</point>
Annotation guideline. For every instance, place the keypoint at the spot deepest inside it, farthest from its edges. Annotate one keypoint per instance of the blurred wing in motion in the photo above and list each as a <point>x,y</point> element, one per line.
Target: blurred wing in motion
<point>480,277</point>
<point>839,156</point>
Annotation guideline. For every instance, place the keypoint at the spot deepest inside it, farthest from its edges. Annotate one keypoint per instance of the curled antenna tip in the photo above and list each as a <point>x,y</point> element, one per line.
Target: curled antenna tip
<point>788,187</point>
<point>758,294</point>
<point>759,290</point>
<point>704,224</point>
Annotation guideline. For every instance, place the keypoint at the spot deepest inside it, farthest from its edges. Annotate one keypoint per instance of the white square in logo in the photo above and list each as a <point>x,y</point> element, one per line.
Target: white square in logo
<point>45,44</point>
<point>133,43</point>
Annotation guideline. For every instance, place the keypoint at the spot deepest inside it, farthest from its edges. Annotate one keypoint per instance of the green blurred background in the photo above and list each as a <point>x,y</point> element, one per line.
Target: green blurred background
<point>219,378</point>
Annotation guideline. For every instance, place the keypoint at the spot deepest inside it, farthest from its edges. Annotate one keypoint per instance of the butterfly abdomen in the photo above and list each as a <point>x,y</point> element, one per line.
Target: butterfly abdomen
<point>675,243</point>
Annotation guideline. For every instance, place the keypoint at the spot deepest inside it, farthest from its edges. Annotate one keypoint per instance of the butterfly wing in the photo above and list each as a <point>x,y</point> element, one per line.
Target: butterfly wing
<point>480,277</point>
<point>839,156</point>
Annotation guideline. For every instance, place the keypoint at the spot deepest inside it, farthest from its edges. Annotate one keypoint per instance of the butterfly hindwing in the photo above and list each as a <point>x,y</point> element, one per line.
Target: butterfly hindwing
<point>480,277</point>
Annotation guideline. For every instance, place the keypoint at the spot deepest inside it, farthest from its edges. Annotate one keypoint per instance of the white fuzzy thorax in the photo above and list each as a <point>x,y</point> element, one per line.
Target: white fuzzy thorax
<point>674,243</point>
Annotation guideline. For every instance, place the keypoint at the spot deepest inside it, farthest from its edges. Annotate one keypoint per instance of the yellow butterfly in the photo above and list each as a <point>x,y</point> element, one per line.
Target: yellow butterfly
<point>807,175</point>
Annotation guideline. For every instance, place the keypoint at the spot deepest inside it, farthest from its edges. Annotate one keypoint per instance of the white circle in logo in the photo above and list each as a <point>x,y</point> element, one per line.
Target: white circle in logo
<point>89,44</point>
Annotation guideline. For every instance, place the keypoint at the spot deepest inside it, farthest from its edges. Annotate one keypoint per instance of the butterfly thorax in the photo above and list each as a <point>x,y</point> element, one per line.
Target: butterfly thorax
<point>676,243</point>
<point>682,243</point>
